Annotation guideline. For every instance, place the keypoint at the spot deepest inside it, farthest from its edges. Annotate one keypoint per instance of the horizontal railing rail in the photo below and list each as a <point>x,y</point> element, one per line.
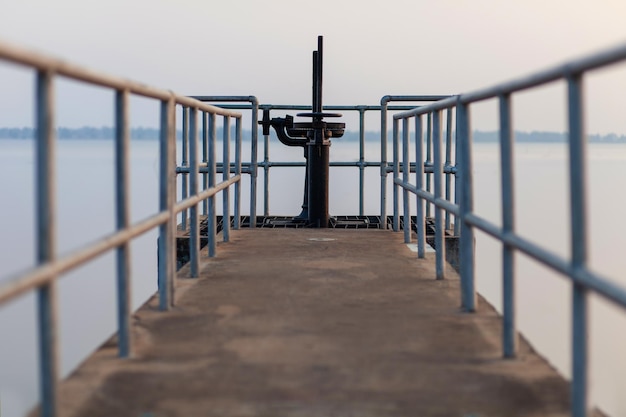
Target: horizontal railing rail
<point>576,268</point>
<point>44,276</point>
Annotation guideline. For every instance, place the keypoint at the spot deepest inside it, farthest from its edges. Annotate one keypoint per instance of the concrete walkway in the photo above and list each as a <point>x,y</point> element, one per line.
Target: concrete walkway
<point>308,322</point>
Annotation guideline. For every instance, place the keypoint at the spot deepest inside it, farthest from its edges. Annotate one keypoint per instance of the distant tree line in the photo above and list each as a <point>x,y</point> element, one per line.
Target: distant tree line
<point>149,133</point>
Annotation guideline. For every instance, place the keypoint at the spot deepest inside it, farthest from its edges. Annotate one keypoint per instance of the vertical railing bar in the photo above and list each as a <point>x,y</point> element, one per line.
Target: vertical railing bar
<point>211,164</point>
<point>266,176</point>
<point>225,177</point>
<point>237,213</point>
<point>466,206</point>
<point>429,141</point>
<point>205,160</point>
<point>185,163</point>
<point>509,332</point>
<point>396,174</point>
<point>457,179</point>
<point>419,184</point>
<point>383,165</point>
<point>448,161</point>
<point>253,162</point>
<point>406,170</point>
<point>171,192</point>
<point>45,174</point>
<point>122,209</point>
<point>577,176</point>
<point>194,229</point>
<point>440,242</point>
<point>361,161</point>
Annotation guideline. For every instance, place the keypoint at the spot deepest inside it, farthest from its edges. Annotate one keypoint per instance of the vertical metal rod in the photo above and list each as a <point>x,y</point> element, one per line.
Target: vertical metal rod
<point>185,163</point>
<point>166,237</point>
<point>361,161</point>
<point>509,332</point>
<point>429,141</point>
<point>253,162</point>
<point>266,179</point>
<point>211,216</point>
<point>205,159</point>
<point>237,223</point>
<point>383,164</point>
<point>406,172</point>
<point>194,227</point>
<point>122,214</point>
<point>448,160</point>
<point>440,237</point>
<point>225,177</point>
<point>396,174</point>
<point>419,184</point>
<point>45,174</point>
<point>457,179</point>
<point>171,193</point>
<point>466,206</point>
<point>577,174</point>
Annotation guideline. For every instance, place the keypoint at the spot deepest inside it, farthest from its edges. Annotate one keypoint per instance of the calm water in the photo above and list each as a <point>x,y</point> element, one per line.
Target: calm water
<point>85,211</point>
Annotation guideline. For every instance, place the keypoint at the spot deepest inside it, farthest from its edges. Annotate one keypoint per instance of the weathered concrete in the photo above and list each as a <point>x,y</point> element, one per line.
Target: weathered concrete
<point>287,323</point>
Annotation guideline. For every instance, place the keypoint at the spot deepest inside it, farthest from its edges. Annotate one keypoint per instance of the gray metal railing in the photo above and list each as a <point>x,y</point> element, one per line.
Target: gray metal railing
<point>44,276</point>
<point>576,269</point>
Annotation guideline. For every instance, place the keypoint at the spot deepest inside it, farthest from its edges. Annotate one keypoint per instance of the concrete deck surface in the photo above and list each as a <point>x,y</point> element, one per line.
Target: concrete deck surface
<point>307,322</point>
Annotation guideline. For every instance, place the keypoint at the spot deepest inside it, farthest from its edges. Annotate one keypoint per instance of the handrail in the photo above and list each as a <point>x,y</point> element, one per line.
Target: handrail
<point>49,268</point>
<point>576,269</point>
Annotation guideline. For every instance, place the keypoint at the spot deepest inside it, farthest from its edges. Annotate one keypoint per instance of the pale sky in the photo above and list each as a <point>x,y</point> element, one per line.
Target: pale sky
<point>372,48</point>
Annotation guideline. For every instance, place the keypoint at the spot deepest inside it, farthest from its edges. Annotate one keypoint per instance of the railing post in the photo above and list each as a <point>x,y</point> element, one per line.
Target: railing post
<point>419,184</point>
<point>185,163</point>
<point>194,229</point>
<point>167,187</point>
<point>361,160</point>
<point>509,332</point>
<point>406,172</point>
<point>577,175</point>
<point>396,175</point>
<point>266,176</point>
<point>440,238</point>
<point>253,161</point>
<point>205,160</point>
<point>46,242</point>
<point>211,217</point>
<point>448,161</point>
<point>122,205</point>
<point>466,206</point>
<point>429,161</point>
<point>225,177</point>
<point>237,213</point>
<point>383,163</point>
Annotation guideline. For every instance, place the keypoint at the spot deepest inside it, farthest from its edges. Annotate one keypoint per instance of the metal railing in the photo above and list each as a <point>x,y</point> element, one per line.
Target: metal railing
<point>266,164</point>
<point>43,277</point>
<point>575,269</point>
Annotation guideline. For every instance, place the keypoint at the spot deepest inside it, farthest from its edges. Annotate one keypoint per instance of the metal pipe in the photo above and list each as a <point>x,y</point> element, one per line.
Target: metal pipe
<point>509,328</point>
<point>419,177</point>
<point>45,174</point>
<point>383,162</point>
<point>165,237</point>
<point>361,161</point>
<point>205,159</point>
<point>237,173</point>
<point>406,221</point>
<point>577,176</point>
<point>440,242</point>
<point>225,176</point>
<point>194,227</point>
<point>253,160</point>
<point>212,216</point>
<point>429,141</point>
<point>122,214</point>
<point>266,178</point>
<point>185,162</point>
<point>448,160</point>
<point>466,207</point>
<point>396,174</point>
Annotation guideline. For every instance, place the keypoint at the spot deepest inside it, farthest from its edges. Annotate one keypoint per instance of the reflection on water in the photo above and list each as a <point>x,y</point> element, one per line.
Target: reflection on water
<point>85,211</point>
